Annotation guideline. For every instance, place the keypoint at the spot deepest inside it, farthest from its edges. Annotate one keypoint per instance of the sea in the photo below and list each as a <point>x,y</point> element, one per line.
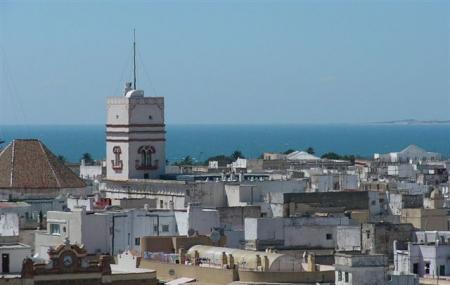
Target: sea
<point>203,141</point>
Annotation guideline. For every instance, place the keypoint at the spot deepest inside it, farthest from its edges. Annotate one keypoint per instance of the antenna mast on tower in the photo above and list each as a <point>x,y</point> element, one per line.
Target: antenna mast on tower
<point>134,59</point>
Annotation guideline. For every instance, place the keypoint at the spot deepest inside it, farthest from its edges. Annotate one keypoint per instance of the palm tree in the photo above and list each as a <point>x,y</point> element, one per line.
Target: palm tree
<point>237,154</point>
<point>87,157</point>
<point>61,158</point>
<point>289,151</point>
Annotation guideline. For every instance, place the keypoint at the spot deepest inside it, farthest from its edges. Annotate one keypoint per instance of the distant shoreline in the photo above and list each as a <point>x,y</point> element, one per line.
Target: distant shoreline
<point>413,122</point>
<point>307,124</point>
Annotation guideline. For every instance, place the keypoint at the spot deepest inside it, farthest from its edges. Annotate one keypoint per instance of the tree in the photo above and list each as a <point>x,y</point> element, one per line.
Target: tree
<point>289,151</point>
<point>87,157</point>
<point>310,150</point>
<point>237,154</point>
<point>221,159</point>
<point>61,158</point>
<point>331,155</point>
<point>185,161</point>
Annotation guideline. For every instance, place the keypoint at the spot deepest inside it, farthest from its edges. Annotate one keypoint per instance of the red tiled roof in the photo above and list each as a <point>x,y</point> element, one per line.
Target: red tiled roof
<point>30,164</point>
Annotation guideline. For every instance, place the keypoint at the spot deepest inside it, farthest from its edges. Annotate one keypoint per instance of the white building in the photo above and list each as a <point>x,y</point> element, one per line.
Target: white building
<point>266,194</point>
<point>104,232</point>
<point>21,209</point>
<point>168,193</point>
<point>429,257</point>
<point>197,220</point>
<point>348,238</point>
<point>135,136</point>
<point>92,171</point>
<point>114,231</point>
<point>86,202</point>
<point>301,232</point>
<point>11,251</point>
<point>9,224</point>
<point>30,172</point>
<point>404,171</point>
<point>240,163</point>
<point>360,269</point>
<point>326,182</point>
<point>13,256</point>
<point>411,154</point>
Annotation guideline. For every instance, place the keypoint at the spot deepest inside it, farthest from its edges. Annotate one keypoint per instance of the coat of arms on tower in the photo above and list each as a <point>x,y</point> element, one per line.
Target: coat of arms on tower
<point>117,163</point>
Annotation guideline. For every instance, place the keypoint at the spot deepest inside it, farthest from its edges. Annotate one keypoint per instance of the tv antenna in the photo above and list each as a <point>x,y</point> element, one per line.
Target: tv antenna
<point>134,59</point>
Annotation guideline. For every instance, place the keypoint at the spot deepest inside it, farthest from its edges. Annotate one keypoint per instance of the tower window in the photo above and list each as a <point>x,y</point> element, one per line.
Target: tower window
<point>146,161</point>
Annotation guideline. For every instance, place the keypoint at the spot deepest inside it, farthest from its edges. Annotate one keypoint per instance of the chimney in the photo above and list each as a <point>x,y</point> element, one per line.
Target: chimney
<point>182,253</point>
<point>311,263</point>
<point>231,261</point>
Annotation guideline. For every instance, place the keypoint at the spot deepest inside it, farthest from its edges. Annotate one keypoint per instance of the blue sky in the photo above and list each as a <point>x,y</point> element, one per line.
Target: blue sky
<point>223,62</point>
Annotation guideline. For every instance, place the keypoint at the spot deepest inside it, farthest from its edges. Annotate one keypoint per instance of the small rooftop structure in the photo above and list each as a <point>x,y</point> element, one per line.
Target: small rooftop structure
<point>247,259</point>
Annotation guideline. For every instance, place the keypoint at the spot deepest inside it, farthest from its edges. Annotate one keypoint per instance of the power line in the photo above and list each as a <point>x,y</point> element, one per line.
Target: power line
<point>146,73</point>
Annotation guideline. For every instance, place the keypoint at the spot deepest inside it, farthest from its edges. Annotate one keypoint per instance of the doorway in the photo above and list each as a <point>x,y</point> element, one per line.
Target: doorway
<point>5,263</point>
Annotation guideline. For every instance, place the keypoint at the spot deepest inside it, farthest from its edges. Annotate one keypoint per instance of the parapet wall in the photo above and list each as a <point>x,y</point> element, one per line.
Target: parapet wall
<point>286,277</point>
<point>171,271</point>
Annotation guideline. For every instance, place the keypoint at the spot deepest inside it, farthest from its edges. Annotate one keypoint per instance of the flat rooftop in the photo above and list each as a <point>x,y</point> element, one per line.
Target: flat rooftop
<point>117,269</point>
<point>14,246</point>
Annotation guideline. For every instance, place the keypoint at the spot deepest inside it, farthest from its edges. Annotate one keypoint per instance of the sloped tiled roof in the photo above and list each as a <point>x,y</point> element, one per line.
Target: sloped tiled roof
<point>301,155</point>
<point>30,164</point>
<point>413,148</point>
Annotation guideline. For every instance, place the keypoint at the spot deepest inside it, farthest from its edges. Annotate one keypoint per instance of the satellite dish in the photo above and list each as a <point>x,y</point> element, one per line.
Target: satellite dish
<point>191,232</point>
<point>215,236</point>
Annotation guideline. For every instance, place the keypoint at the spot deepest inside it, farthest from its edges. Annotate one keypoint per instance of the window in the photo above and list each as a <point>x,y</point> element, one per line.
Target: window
<point>427,267</point>
<point>155,228</point>
<point>129,238</point>
<point>416,268</point>
<point>441,270</point>
<point>368,234</point>
<point>55,229</point>
<point>161,204</point>
<point>146,156</point>
<point>146,161</point>
<point>346,277</point>
<point>137,241</point>
<point>329,236</point>
<point>165,228</point>
<point>339,275</point>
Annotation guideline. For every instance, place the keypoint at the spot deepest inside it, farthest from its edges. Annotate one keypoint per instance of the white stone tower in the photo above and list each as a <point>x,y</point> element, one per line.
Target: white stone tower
<point>135,135</point>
